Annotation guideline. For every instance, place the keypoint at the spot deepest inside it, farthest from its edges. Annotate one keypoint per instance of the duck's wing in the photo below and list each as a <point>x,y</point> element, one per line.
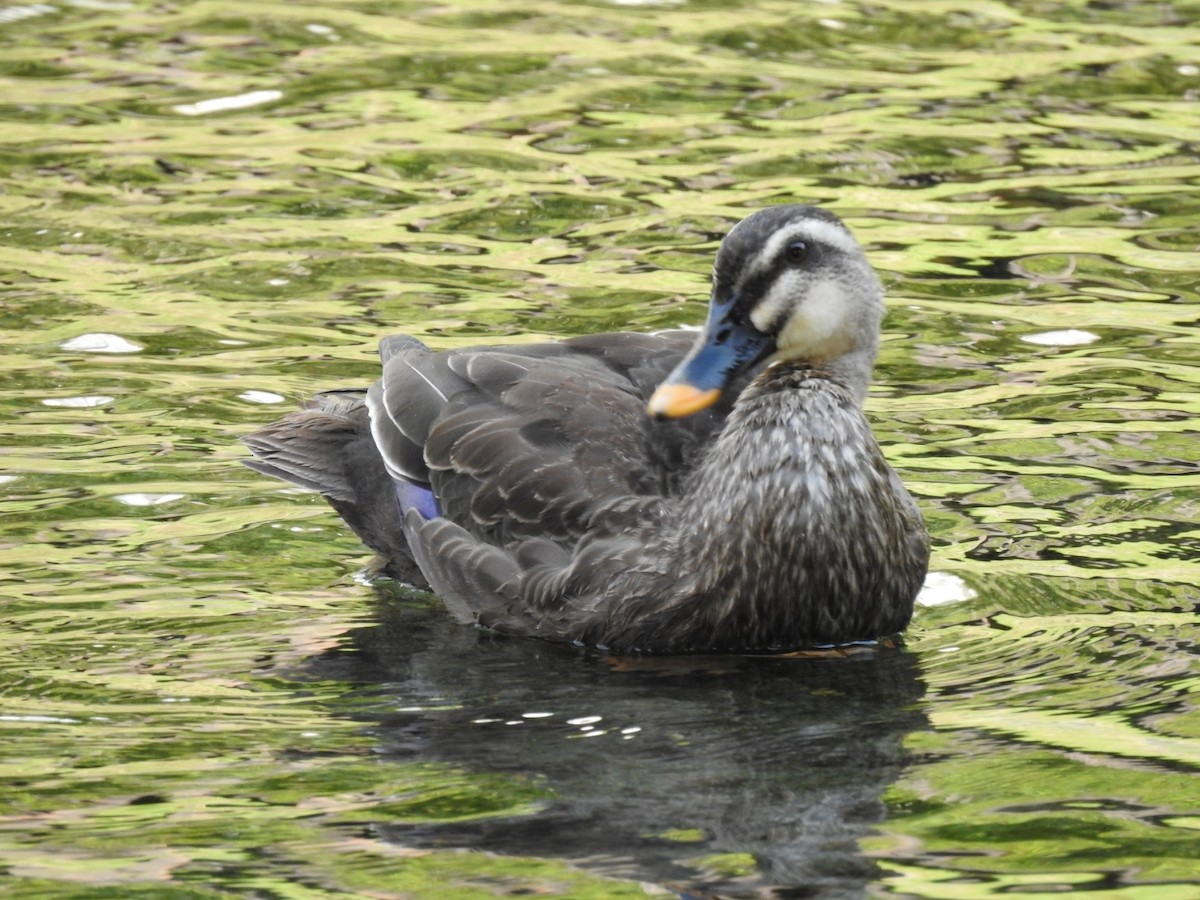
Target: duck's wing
<point>499,459</point>
<point>534,441</point>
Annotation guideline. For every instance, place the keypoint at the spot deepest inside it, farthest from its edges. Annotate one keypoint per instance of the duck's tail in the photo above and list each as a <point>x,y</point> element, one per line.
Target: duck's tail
<point>327,447</point>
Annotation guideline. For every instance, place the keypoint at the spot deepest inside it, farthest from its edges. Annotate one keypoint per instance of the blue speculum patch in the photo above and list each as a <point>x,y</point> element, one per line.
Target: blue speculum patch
<point>418,497</point>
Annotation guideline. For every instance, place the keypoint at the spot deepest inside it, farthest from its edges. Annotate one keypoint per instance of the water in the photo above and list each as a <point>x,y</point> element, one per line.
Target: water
<point>200,700</point>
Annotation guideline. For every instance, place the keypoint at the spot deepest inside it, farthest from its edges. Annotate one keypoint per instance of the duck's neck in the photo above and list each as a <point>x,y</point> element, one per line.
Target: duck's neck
<point>850,370</point>
<point>787,426</point>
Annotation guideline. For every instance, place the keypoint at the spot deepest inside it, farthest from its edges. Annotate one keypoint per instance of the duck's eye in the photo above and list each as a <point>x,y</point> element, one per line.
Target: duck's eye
<point>797,252</point>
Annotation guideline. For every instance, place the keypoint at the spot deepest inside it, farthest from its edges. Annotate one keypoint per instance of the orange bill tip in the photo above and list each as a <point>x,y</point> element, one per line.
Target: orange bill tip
<point>674,401</point>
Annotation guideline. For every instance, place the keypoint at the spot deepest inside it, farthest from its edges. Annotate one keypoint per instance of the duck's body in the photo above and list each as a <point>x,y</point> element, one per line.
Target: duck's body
<point>531,490</point>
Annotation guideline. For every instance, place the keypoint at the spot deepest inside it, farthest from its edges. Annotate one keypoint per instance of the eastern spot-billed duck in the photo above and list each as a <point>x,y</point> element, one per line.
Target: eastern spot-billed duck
<point>654,493</point>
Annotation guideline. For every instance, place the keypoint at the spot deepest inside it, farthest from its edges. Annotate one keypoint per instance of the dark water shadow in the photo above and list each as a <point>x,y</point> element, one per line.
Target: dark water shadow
<point>653,770</point>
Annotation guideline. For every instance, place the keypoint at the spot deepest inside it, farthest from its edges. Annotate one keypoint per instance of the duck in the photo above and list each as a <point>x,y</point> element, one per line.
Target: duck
<point>681,492</point>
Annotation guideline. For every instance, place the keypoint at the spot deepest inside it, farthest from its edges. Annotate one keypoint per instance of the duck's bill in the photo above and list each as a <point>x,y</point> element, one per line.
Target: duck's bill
<point>674,401</point>
<point>726,347</point>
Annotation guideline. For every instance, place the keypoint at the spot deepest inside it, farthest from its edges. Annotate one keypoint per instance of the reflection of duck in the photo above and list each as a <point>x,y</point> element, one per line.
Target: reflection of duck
<point>647,775</point>
<point>537,497</point>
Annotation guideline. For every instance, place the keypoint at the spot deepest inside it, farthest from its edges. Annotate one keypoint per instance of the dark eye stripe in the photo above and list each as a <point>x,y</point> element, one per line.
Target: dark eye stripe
<point>752,289</point>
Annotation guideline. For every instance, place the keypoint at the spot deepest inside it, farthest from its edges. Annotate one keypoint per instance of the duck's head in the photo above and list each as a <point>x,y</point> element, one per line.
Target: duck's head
<point>790,283</point>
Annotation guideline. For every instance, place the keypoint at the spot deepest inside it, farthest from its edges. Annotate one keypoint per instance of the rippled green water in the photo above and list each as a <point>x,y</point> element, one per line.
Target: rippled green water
<point>199,700</point>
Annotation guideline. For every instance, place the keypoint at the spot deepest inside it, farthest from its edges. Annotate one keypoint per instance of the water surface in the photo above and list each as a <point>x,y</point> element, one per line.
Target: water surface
<point>210,210</point>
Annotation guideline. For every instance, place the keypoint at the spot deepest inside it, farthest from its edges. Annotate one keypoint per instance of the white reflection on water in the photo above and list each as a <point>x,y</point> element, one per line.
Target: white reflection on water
<point>941,588</point>
<point>1068,337</point>
<point>223,104</point>
<point>16,13</point>
<point>147,499</point>
<point>100,342</point>
<point>77,402</point>
<point>260,397</point>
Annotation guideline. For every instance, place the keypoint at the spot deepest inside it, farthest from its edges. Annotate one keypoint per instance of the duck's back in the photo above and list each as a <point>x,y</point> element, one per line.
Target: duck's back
<point>508,442</point>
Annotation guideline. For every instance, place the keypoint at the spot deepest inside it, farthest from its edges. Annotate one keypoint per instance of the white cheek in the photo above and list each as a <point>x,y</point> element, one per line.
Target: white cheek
<point>818,326</point>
